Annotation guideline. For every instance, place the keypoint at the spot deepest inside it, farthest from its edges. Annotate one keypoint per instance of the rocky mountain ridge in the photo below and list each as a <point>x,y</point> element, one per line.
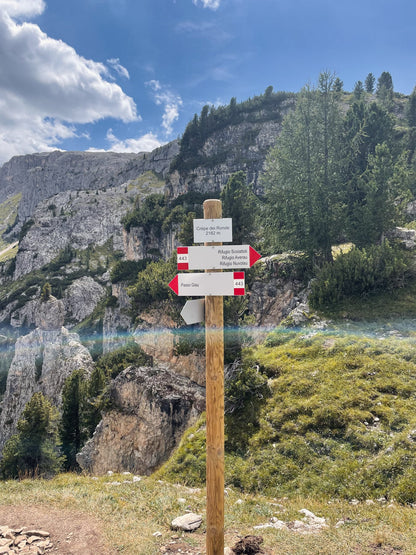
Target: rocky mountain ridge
<point>73,205</point>
<point>43,175</point>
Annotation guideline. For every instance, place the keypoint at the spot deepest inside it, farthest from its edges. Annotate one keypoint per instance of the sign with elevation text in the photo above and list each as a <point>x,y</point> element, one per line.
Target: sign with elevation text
<point>216,257</point>
<point>209,283</point>
<point>218,230</point>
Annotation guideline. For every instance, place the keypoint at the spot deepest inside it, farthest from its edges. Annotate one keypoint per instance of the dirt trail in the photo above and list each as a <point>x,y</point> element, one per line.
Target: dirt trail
<point>71,533</point>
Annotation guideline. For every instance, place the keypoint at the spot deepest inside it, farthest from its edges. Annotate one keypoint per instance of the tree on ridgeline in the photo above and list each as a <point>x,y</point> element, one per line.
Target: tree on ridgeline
<point>384,90</point>
<point>358,90</point>
<point>411,120</point>
<point>370,82</point>
<point>338,85</point>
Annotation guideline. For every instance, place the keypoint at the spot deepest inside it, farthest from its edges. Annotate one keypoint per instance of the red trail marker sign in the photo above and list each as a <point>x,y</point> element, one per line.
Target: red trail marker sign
<point>209,257</point>
<point>209,283</point>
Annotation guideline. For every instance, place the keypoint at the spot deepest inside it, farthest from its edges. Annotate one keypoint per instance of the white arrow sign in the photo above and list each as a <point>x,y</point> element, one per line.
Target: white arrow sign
<point>209,283</point>
<point>216,257</point>
<point>194,311</point>
<point>213,231</point>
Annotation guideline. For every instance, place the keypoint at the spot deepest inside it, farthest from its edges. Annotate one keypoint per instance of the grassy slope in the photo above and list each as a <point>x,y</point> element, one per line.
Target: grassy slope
<point>8,213</point>
<point>340,415</point>
<point>132,512</point>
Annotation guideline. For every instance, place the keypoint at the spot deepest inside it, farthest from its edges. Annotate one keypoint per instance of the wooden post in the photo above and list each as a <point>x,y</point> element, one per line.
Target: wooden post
<point>214,349</point>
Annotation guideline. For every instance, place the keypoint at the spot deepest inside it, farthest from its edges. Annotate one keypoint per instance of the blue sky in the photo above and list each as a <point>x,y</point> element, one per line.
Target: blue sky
<point>127,75</point>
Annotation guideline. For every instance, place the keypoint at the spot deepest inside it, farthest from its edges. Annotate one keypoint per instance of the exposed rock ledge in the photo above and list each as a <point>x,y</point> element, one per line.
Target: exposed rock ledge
<point>42,362</point>
<point>151,408</point>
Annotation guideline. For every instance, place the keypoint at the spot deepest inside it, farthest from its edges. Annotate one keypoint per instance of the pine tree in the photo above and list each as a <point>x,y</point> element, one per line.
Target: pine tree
<point>411,119</point>
<point>240,204</point>
<point>34,450</point>
<point>303,171</point>
<point>370,82</point>
<point>46,292</point>
<point>365,127</point>
<point>92,407</point>
<point>72,431</point>
<point>384,90</point>
<point>358,90</point>
<point>338,85</point>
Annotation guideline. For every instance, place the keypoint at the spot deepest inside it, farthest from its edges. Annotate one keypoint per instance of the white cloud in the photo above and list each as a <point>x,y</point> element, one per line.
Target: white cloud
<point>28,8</point>
<point>46,87</point>
<point>145,143</point>
<point>170,101</point>
<point>115,64</point>
<point>212,4</point>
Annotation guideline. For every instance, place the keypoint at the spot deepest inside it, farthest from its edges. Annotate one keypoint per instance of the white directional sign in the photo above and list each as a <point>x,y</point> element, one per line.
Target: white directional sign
<point>209,283</point>
<point>194,311</point>
<point>213,231</point>
<point>216,257</point>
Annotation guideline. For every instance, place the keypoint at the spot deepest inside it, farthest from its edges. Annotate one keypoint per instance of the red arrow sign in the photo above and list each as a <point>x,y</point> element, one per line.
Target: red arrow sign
<point>254,256</point>
<point>225,257</point>
<point>209,283</point>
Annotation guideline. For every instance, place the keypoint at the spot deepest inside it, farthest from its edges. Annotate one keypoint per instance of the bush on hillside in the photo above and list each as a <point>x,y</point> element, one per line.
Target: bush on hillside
<point>359,271</point>
<point>152,284</point>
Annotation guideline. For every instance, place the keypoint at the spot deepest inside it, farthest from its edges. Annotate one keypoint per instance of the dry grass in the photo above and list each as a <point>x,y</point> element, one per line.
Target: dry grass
<point>132,512</point>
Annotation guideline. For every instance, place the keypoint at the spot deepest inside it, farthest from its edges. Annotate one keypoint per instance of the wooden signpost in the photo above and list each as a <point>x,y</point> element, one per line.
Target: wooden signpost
<point>213,230</point>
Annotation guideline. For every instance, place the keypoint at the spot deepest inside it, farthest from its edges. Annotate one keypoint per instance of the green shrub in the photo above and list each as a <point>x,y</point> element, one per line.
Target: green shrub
<point>152,284</point>
<point>359,271</point>
<point>127,270</point>
<point>115,362</point>
<point>246,391</point>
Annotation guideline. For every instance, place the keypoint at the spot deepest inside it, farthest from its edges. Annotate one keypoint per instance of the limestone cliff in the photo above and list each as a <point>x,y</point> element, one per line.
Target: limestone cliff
<point>43,360</point>
<point>43,175</point>
<point>76,220</point>
<point>239,145</point>
<point>151,407</point>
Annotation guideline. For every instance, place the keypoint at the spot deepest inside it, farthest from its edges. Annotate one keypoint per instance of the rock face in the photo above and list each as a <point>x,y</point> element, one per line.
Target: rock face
<point>50,314</point>
<point>43,360</point>
<point>139,245</point>
<point>279,294</point>
<point>40,176</point>
<point>75,220</point>
<point>155,335</point>
<point>81,297</point>
<point>150,409</point>
<point>242,146</point>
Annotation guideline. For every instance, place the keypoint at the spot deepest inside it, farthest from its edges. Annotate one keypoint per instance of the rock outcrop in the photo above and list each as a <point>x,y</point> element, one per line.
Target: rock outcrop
<point>43,175</point>
<point>241,146</point>
<point>156,336</point>
<point>43,360</point>
<point>151,407</point>
<point>76,220</point>
<point>81,298</point>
